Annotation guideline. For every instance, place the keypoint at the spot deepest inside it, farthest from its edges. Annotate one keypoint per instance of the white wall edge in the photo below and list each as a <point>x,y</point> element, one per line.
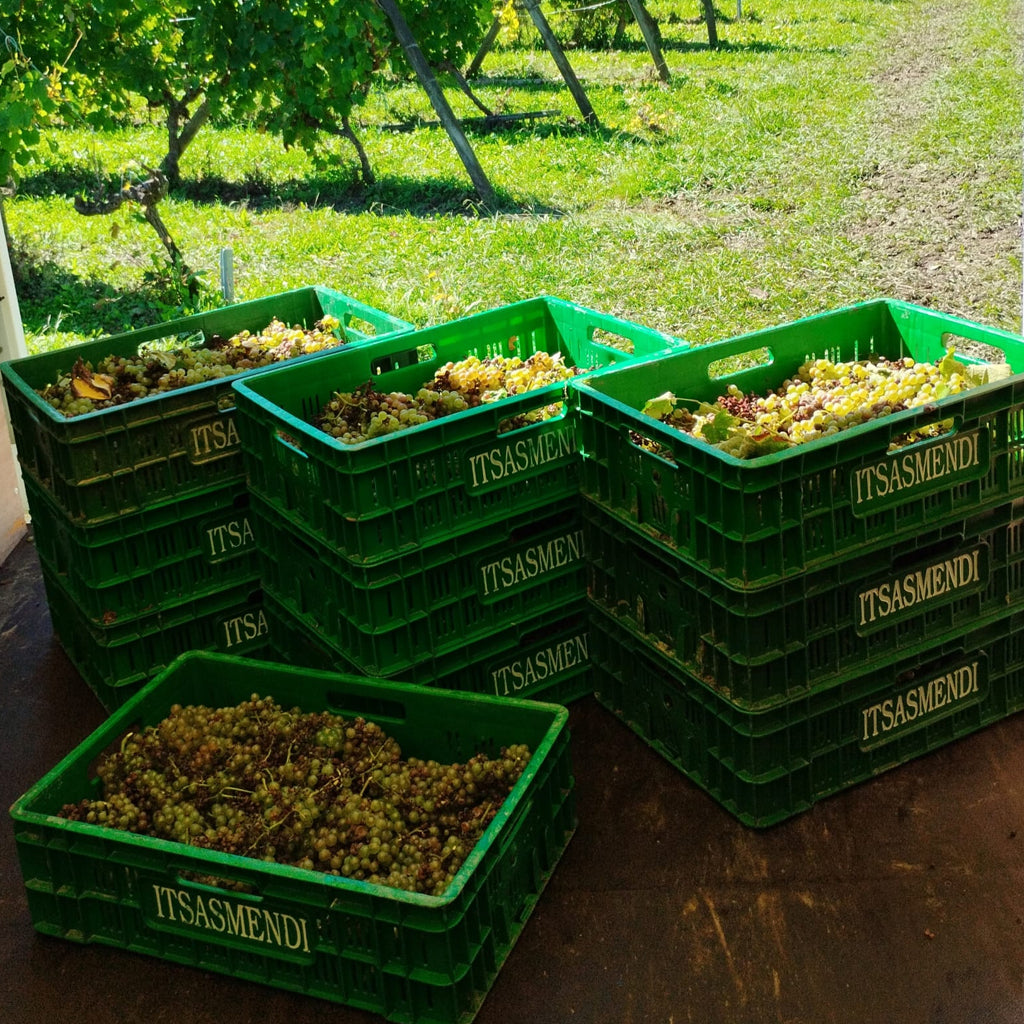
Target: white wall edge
<point>13,511</point>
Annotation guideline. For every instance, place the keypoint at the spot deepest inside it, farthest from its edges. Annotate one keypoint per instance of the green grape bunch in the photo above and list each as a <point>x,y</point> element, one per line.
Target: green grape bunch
<point>115,380</point>
<point>819,401</point>
<point>313,790</point>
<point>365,413</point>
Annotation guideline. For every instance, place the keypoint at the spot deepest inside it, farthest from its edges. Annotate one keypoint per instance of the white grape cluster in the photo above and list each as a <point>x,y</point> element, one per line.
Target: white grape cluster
<point>185,366</point>
<point>821,399</point>
<point>365,413</point>
<point>825,397</point>
<point>498,377</point>
<point>115,380</point>
<point>69,405</point>
<point>278,341</point>
<point>312,790</point>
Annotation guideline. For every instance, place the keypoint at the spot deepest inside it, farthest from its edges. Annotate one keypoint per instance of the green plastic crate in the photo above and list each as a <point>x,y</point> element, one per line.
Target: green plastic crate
<point>766,767</point>
<point>761,648</point>
<point>115,461</point>
<point>398,492</point>
<point>116,660</point>
<point>546,658</point>
<point>478,570</point>
<point>757,521</point>
<point>390,617</point>
<point>148,561</point>
<point>412,958</point>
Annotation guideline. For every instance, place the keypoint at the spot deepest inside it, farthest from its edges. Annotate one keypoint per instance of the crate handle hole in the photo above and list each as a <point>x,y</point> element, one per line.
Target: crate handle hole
<point>210,882</point>
<point>534,418</point>
<point>925,432</point>
<point>375,709</point>
<point>166,343</point>
<point>573,627</point>
<point>357,324</point>
<point>653,448</point>
<point>401,358</point>
<point>289,442</point>
<point>618,342</point>
<point>974,350</point>
<point>740,362</point>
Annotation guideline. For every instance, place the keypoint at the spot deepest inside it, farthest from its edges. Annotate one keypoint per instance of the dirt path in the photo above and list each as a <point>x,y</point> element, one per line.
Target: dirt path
<point>918,213</point>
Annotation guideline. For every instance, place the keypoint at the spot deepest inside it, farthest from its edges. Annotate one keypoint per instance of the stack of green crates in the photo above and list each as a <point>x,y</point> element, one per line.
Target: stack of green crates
<point>785,626</point>
<point>449,554</point>
<point>140,513</point>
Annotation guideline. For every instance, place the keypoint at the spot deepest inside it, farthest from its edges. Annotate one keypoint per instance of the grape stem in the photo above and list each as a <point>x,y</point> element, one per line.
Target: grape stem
<point>369,768</point>
<point>236,789</point>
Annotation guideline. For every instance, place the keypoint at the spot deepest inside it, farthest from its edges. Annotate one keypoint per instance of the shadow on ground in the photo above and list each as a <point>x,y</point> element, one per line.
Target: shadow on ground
<point>47,291</point>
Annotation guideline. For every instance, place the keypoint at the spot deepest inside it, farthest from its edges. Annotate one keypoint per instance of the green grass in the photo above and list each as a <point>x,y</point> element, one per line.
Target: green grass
<point>826,154</point>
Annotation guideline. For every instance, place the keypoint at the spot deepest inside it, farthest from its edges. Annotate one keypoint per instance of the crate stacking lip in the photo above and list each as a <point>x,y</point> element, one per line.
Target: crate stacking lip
<point>392,494</point>
<point>390,616</point>
<point>117,659</point>
<point>115,461</point>
<point>148,561</point>
<point>761,648</point>
<point>757,521</point>
<point>765,767</point>
<point>412,958</point>
<point>546,658</point>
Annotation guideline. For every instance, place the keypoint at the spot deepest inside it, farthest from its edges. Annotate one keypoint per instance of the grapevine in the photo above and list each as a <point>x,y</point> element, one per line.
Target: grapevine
<point>821,399</point>
<point>115,380</point>
<point>312,790</point>
<point>365,413</point>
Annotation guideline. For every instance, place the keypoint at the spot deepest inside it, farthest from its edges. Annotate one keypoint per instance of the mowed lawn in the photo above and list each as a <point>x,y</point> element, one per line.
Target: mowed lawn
<point>823,155</point>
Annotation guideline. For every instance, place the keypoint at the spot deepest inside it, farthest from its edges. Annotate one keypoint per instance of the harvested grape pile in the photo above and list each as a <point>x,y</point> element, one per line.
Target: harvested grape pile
<point>820,400</point>
<point>313,790</point>
<point>115,380</point>
<point>365,413</point>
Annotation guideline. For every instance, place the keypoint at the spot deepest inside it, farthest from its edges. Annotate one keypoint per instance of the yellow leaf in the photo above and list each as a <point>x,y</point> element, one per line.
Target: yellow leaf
<point>96,386</point>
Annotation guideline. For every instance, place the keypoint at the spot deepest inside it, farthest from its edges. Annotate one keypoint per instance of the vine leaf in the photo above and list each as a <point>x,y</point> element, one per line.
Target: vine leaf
<point>719,424</point>
<point>661,406</point>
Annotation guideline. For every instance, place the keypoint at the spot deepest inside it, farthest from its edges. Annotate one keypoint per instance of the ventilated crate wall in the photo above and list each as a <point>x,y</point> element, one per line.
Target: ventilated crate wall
<point>755,522</point>
<point>782,627</point>
<point>411,958</point>
<point>766,767</point>
<point>128,458</point>
<point>761,648</point>
<point>140,512</point>
<point>389,617</point>
<point>417,552</point>
<point>544,658</point>
<point>393,494</point>
<point>147,562</point>
<point>116,660</point>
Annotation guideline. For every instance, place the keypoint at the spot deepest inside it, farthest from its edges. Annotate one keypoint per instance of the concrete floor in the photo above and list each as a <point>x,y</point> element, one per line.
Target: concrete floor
<point>900,900</point>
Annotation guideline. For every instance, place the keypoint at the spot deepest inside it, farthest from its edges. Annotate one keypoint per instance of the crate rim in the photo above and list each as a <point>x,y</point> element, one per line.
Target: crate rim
<point>306,428</point>
<point>242,866</point>
<point>740,343</point>
<point>422,336</point>
<point>9,369</point>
